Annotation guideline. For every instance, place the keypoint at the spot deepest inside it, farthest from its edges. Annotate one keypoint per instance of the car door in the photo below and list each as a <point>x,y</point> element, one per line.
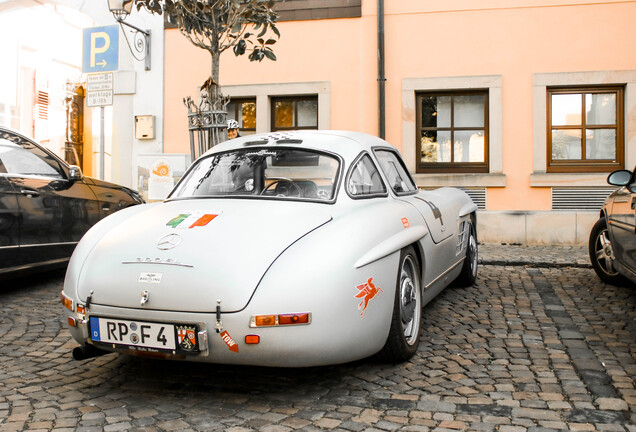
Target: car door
<point>622,225</point>
<point>630,246</point>
<point>9,221</point>
<point>438,219</point>
<point>54,211</point>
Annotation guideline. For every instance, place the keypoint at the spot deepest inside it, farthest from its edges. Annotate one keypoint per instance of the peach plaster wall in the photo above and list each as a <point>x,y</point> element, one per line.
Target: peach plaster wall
<point>512,42</point>
<point>336,51</point>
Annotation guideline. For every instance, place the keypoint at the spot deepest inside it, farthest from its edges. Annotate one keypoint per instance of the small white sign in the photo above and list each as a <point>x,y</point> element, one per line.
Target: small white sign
<point>99,82</point>
<point>150,278</point>
<point>159,187</point>
<point>99,98</point>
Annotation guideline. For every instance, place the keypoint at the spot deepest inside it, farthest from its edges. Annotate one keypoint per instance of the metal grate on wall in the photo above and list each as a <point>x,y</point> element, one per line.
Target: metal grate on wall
<point>478,195</point>
<point>564,198</point>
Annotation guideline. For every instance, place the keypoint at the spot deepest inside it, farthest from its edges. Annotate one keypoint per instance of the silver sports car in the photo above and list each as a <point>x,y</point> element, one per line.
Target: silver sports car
<point>296,249</point>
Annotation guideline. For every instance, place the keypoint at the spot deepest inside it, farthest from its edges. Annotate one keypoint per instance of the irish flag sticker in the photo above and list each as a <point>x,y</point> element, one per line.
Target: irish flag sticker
<point>191,220</point>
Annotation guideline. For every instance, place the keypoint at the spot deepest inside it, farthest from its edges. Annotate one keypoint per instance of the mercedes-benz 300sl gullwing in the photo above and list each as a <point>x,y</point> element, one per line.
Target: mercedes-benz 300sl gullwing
<point>297,249</point>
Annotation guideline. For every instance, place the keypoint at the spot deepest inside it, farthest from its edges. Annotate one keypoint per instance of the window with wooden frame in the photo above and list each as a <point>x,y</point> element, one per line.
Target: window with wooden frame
<point>452,131</point>
<point>296,10</point>
<point>585,129</point>
<point>243,110</point>
<point>294,112</point>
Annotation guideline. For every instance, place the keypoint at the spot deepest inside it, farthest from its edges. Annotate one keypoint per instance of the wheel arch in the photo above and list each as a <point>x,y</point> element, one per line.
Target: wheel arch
<point>421,259</point>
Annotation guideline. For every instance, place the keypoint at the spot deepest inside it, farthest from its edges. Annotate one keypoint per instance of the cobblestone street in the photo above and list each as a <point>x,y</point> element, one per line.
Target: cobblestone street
<point>528,348</point>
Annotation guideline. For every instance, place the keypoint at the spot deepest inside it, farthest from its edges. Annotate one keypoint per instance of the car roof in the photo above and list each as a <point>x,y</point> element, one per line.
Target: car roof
<point>344,143</point>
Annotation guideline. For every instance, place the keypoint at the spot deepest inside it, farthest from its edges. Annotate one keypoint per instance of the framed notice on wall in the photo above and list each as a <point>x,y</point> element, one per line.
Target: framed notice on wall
<point>158,173</point>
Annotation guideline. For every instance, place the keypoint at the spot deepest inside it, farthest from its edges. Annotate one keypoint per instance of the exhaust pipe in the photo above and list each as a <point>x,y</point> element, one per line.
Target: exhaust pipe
<point>87,351</point>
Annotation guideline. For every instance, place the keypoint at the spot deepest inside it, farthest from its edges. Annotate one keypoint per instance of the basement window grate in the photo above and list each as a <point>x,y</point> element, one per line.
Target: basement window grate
<point>478,195</point>
<point>572,198</point>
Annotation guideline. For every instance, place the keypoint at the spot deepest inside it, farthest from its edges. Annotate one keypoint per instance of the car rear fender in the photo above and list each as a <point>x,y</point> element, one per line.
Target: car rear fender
<point>393,244</point>
<point>91,239</point>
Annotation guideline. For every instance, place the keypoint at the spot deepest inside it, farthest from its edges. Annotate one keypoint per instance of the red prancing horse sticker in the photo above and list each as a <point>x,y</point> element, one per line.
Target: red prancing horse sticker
<point>366,292</point>
<point>229,341</point>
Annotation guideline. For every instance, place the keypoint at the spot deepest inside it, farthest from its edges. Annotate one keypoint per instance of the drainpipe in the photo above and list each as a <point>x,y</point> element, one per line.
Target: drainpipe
<point>381,76</point>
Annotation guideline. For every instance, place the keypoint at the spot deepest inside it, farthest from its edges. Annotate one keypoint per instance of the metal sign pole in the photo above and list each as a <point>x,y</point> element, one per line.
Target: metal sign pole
<point>101,143</point>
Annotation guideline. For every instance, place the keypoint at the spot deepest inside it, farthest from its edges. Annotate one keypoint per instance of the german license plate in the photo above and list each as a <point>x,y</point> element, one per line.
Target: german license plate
<point>144,335</point>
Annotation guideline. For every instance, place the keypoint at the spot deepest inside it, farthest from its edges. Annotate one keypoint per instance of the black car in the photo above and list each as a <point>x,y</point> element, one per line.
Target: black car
<point>47,205</point>
<point>612,243</point>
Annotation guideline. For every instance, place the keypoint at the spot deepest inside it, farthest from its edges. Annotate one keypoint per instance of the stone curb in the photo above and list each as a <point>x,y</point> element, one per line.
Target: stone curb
<point>538,264</point>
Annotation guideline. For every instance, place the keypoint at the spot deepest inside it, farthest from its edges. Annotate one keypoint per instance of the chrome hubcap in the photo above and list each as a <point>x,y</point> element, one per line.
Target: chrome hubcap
<point>605,253</point>
<point>410,299</point>
<point>472,251</point>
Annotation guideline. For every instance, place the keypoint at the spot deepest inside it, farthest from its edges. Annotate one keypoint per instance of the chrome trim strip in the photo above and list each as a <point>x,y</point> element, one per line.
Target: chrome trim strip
<point>38,245</point>
<point>159,263</point>
<point>451,268</point>
<point>50,244</point>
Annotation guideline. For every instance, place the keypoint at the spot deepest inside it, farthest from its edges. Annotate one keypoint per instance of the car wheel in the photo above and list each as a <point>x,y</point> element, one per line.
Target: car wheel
<point>404,335</point>
<point>468,274</point>
<point>602,254</point>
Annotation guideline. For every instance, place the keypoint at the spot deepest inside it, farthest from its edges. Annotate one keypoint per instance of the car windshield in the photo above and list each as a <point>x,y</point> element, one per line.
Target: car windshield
<point>263,172</point>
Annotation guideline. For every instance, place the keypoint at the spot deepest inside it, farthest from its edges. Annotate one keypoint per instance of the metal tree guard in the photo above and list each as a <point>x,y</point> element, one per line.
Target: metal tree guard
<point>206,122</point>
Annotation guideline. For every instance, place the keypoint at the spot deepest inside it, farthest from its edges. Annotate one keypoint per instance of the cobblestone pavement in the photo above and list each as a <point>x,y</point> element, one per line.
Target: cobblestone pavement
<point>528,348</point>
<point>536,256</point>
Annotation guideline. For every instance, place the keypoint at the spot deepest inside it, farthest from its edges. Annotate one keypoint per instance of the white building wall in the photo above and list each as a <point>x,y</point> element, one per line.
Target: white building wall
<point>137,91</point>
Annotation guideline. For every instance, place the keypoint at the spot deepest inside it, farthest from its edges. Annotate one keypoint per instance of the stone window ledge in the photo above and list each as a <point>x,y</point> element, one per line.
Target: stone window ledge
<point>463,180</point>
<point>539,179</point>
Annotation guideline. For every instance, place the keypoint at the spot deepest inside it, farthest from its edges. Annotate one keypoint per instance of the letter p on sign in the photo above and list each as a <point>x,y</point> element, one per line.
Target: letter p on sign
<point>99,38</point>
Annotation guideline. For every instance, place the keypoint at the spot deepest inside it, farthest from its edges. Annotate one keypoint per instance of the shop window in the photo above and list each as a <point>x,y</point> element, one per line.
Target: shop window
<point>452,131</point>
<point>244,112</point>
<point>9,116</point>
<point>291,113</point>
<point>585,129</point>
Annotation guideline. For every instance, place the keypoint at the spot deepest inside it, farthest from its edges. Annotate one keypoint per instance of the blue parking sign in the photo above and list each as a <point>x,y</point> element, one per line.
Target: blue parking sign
<point>100,52</point>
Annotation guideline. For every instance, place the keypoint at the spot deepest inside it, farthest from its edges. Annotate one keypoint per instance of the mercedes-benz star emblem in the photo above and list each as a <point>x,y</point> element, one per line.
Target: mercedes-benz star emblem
<point>169,241</point>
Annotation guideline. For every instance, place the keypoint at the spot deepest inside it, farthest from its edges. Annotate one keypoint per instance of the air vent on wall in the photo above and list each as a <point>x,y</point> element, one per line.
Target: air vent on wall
<point>478,195</point>
<point>592,198</point>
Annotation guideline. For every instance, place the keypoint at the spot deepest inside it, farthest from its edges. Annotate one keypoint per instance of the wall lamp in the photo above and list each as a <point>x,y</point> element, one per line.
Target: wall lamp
<point>120,10</point>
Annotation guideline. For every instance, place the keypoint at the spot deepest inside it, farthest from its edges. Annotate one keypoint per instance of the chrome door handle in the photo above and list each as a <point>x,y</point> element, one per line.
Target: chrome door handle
<point>30,193</point>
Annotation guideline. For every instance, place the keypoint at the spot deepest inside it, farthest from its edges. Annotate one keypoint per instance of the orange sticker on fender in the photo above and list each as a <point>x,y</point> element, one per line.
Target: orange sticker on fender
<point>405,222</point>
<point>366,292</point>
<point>229,341</point>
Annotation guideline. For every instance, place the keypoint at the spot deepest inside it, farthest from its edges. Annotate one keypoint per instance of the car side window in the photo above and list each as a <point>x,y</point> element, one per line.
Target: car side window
<point>394,170</point>
<point>364,179</point>
<point>24,158</point>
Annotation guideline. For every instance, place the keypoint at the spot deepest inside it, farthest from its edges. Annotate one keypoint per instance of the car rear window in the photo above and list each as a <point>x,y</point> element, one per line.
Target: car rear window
<point>280,173</point>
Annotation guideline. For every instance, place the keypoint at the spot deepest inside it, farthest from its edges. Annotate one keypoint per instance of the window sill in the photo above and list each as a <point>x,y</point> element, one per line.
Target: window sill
<point>463,180</point>
<point>539,179</point>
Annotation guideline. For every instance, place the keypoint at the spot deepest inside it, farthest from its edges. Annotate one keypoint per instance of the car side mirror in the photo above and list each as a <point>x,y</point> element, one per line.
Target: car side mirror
<point>619,178</point>
<point>75,173</point>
